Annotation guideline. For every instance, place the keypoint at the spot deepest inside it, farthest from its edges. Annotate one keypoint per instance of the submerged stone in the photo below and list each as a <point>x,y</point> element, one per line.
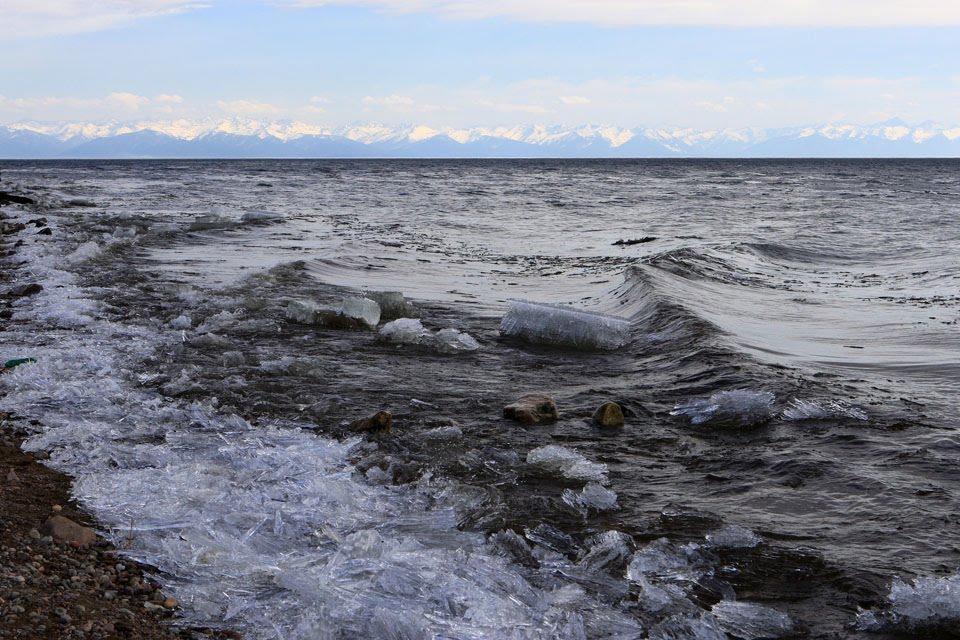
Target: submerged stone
<point>533,408</point>
<point>380,421</point>
<point>609,415</point>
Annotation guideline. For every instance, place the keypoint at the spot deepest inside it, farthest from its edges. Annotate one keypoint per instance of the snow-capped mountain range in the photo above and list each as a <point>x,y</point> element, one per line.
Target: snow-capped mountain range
<point>239,138</point>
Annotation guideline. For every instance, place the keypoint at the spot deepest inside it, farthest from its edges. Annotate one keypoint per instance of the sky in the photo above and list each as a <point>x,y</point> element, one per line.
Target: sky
<point>467,63</point>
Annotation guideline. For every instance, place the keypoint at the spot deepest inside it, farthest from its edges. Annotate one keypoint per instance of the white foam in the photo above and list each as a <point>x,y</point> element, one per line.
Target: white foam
<point>85,251</point>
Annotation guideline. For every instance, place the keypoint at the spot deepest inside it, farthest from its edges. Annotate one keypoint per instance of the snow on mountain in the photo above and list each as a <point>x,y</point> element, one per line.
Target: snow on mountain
<point>242,137</point>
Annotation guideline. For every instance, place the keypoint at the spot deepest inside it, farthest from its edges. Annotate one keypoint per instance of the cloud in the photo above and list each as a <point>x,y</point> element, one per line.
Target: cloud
<point>719,106</point>
<point>732,13</point>
<point>574,100</point>
<point>510,107</point>
<point>112,104</point>
<point>389,101</point>
<point>320,100</point>
<point>248,108</point>
<point>23,19</point>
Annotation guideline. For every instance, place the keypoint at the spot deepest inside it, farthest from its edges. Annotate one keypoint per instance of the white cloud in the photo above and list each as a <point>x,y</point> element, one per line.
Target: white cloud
<point>37,18</point>
<point>574,100</point>
<point>117,104</point>
<point>248,108</point>
<point>510,107</point>
<point>388,101</point>
<point>320,100</point>
<point>893,13</point>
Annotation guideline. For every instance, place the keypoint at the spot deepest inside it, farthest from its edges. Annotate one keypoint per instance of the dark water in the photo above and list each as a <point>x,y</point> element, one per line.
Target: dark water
<point>823,294</point>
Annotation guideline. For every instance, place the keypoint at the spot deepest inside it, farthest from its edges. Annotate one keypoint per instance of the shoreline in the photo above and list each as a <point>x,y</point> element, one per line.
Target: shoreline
<point>53,589</point>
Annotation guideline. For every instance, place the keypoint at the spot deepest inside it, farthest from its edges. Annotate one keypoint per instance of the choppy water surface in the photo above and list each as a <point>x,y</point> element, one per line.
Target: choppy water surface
<point>789,466</point>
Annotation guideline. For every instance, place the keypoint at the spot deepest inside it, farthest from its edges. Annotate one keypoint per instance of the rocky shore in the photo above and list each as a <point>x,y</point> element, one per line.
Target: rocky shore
<point>58,579</point>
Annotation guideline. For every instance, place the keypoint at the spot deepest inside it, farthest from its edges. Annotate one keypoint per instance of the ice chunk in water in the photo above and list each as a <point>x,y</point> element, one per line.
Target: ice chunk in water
<point>260,217</point>
<point>751,621</point>
<point>212,221</point>
<point>181,323</point>
<point>734,537</point>
<point>703,627</point>
<point>392,304</point>
<point>302,311</point>
<point>812,410</point>
<point>453,341</point>
<point>593,496</point>
<point>567,463</point>
<point>403,331</point>
<point>363,309</point>
<point>564,326</point>
<point>86,251</point>
<point>411,331</point>
<point>925,603</point>
<point>742,407</point>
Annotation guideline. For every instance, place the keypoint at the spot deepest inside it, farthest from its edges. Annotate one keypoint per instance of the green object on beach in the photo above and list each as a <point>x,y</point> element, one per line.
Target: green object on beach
<point>10,364</point>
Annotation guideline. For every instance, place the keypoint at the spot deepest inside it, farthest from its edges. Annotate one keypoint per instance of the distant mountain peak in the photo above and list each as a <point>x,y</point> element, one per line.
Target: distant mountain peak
<point>245,137</point>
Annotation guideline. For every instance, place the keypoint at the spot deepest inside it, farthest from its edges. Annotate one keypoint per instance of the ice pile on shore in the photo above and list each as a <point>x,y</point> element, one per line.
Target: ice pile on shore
<point>749,621</point>
<point>564,326</point>
<point>927,602</point>
<point>742,407</point>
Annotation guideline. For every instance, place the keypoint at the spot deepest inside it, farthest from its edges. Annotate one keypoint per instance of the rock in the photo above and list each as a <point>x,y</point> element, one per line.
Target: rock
<point>380,421</point>
<point>609,415</point>
<point>24,290</point>
<point>46,231</point>
<point>532,408</point>
<point>12,477</point>
<point>11,198</point>
<point>38,222</point>
<point>10,229</point>
<point>66,531</point>
<point>170,603</point>
<point>633,241</point>
<point>79,202</point>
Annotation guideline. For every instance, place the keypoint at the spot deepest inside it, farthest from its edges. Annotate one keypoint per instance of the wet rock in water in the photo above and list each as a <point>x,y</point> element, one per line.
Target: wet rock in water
<point>80,203</point>
<point>380,421</point>
<point>626,242</point>
<point>10,198</point>
<point>46,231</point>
<point>66,531</point>
<point>609,416</point>
<point>38,222</point>
<point>10,229</point>
<point>25,290</point>
<point>533,408</point>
